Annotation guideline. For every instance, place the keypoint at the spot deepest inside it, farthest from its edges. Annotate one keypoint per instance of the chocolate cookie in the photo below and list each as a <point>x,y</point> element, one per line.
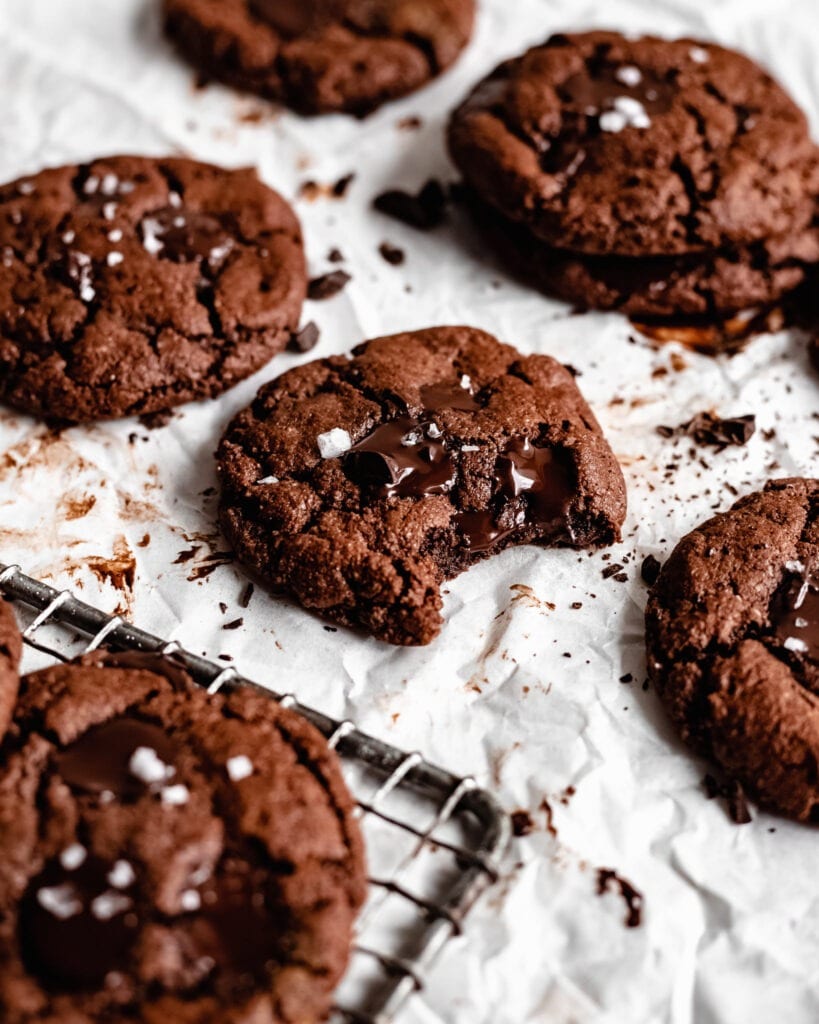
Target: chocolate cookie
<point>322,55</point>
<point>603,144</point>
<point>717,283</point>
<point>360,484</point>
<point>11,650</point>
<point>169,855</point>
<point>131,285</point>
<point>733,643</point>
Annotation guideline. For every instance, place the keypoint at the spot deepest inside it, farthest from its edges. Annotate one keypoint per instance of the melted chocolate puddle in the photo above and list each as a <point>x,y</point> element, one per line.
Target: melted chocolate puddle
<point>101,760</point>
<point>410,457</point>
<point>186,236</point>
<point>794,618</point>
<point>78,923</point>
<point>713,336</point>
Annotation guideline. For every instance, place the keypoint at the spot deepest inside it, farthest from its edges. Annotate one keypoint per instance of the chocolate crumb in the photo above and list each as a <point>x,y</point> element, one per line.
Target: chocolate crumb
<point>650,569</point>
<point>522,824</point>
<point>627,678</point>
<point>631,896</point>
<point>335,256</point>
<point>425,210</point>
<point>392,254</point>
<point>612,570</point>
<point>734,796</point>
<point>341,186</point>
<point>245,596</point>
<point>305,339</point>
<point>235,624</point>
<point>411,123</point>
<point>156,420</point>
<point>328,285</point>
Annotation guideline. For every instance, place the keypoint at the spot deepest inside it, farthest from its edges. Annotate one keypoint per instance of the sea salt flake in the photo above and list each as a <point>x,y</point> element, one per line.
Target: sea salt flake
<point>433,430</point>
<point>25,188</point>
<point>698,55</point>
<point>801,623</point>
<point>190,900</point>
<point>239,767</point>
<point>175,796</point>
<point>92,183</point>
<point>470,448</point>
<point>109,211</point>
<point>110,184</point>
<point>114,259</point>
<point>68,237</point>
<point>109,904</point>
<point>613,121</point>
<point>793,643</point>
<point>466,382</point>
<point>629,75</point>
<point>73,856</point>
<point>333,443</point>
<point>121,875</point>
<point>60,901</point>
<point>148,766</point>
<point>115,235</point>
<point>268,480</point>
<point>175,200</point>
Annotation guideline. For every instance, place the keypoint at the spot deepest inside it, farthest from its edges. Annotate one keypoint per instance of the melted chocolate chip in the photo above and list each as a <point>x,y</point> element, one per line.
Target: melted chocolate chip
<point>403,459</point>
<point>543,475</point>
<point>100,760</point>
<point>794,616</point>
<point>594,91</point>
<point>78,922</point>
<point>185,236</point>
<point>237,926</point>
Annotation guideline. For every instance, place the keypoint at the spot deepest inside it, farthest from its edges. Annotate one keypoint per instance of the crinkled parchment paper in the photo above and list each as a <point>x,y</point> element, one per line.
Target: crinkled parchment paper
<point>521,688</point>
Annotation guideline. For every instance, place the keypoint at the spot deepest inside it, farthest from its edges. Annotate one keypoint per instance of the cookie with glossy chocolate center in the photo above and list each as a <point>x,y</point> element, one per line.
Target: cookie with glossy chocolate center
<point>360,484</point>
<point>169,855</point>
<point>322,55</point>
<point>732,630</point>
<point>130,285</point>
<point>603,144</point>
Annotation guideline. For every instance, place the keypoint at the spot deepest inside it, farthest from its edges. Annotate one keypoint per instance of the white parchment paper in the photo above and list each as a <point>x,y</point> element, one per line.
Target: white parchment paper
<point>730,929</point>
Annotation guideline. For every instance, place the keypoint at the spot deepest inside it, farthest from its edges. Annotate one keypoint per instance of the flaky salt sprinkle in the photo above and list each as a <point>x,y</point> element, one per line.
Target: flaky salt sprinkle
<point>121,875</point>
<point>793,643</point>
<point>60,901</point>
<point>109,904</point>
<point>698,54</point>
<point>268,480</point>
<point>175,796</point>
<point>73,856</point>
<point>146,765</point>
<point>333,443</point>
<point>113,259</point>
<point>239,767</point>
<point>629,75</point>
<point>190,900</point>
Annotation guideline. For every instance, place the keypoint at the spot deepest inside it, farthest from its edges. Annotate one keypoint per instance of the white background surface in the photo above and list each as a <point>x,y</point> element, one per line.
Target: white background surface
<point>731,926</point>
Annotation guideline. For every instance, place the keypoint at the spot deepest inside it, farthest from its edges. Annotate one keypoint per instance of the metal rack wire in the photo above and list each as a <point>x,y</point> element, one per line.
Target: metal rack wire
<point>435,840</point>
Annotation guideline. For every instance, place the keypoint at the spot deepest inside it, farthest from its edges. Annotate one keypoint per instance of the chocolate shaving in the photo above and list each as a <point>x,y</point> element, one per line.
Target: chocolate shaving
<point>633,899</point>
<point>706,428</point>
<point>425,210</point>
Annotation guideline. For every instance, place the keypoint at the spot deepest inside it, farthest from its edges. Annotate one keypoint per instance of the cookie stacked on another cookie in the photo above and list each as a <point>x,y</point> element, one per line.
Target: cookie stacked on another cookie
<point>359,484</point>
<point>130,285</point>
<point>733,643</point>
<point>320,56</point>
<point>169,855</point>
<point>661,178</point>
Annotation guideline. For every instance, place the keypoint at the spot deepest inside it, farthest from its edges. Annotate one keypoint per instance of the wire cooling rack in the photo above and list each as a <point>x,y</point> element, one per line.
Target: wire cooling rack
<point>434,840</point>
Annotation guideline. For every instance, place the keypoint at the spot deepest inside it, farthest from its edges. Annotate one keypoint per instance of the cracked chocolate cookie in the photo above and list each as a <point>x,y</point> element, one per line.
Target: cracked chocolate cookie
<point>130,285</point>
<point>634,147</point>
<point>359,484</point>
<point>732,630</point>
<point>320,56</point>
<point>169,855</point>
<point>11,649</point>
<point>711,284</point>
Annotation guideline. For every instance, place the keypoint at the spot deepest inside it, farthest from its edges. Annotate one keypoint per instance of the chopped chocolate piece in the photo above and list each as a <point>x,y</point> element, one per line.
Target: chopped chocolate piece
<point>650,569</point>
<point>305,339</point>
<point>392,254</point>
<point>706,428</point>
<point>425,210</point>
<point>328,285</point>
